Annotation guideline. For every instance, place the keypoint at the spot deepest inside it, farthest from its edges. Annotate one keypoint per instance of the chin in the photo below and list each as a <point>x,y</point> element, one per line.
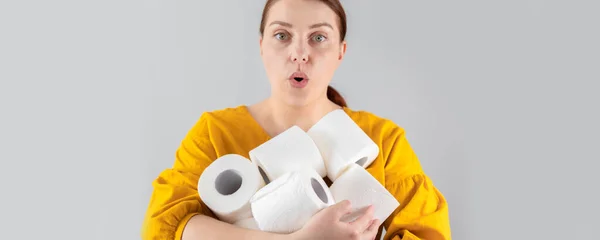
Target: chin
<point>295,97</point>
<point>296,102</point>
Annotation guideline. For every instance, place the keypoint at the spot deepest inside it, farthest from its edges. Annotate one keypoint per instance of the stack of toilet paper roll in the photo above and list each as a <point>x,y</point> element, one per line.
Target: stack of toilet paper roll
<point>281,186</point>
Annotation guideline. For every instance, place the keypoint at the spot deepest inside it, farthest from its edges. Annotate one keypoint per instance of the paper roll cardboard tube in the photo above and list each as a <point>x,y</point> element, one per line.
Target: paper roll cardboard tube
<point>227,185</point>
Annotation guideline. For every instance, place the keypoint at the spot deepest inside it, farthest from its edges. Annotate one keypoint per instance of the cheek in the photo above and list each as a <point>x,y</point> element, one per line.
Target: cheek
<point>274,49</point>
<point>274,55</point>
<point>274,60</point>
<point>326,51</point>
<point>325,59</point>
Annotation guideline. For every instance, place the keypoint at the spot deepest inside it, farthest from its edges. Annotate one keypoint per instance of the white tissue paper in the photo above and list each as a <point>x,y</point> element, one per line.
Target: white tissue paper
<point>227,185</point>
<point>342,142</point>
<point>358,186</point>
<point>248,223</point>
<point>289,151</point>
<point>288,202</point>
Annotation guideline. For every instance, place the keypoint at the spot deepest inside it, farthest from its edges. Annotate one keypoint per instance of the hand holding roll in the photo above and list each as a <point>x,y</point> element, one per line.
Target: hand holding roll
<point>281,188</point>
<point>358,186</point>
<point>326,224</point>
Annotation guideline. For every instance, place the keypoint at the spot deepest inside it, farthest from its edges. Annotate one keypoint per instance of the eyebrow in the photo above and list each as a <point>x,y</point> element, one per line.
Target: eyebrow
<point>316,25</point>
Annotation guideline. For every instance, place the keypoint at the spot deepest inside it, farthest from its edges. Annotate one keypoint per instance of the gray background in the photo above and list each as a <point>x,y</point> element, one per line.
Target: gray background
<point>499,100</point>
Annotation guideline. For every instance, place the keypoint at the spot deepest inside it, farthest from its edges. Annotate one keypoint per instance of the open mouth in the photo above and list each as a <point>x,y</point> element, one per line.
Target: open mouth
<point>298,80</point>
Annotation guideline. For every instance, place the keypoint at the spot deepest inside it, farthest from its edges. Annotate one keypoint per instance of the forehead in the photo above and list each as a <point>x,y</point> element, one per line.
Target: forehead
<point>301,13</point>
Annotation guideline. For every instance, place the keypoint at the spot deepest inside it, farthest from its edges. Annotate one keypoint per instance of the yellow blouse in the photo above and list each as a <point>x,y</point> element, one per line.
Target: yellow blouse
<point>423,211</point>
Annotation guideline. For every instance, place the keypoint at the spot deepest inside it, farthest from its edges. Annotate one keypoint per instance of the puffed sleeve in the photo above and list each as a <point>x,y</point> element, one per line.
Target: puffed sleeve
<point>175,198</point>
<point>423,210</point>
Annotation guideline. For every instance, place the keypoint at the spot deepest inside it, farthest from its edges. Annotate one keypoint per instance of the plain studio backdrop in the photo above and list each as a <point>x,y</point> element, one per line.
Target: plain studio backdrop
<point>499,100</point>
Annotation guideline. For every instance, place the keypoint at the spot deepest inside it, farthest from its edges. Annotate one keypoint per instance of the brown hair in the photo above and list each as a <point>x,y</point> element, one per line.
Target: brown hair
<point>335,5</point>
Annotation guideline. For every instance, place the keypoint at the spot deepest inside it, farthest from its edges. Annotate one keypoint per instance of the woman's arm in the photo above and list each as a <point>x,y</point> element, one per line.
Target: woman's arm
<point>207,228</point>
<point>175,210</point>
<point>423,211</point>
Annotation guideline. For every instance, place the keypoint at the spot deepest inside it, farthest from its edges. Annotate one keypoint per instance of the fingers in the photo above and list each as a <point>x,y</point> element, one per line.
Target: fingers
<point>363,221</point>
<point>342,208</point>
<point>371,231</point>
<point>374,226</point>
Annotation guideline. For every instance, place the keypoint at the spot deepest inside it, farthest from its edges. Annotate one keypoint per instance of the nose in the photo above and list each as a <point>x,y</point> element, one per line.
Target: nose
<point>301,59</point>
<point>299,55</point>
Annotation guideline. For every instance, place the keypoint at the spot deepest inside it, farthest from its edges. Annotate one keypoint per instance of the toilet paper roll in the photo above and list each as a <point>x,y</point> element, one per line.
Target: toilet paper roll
<point>287,203</point>
<point>289,151</point>
<point>342,142</point>
<point>358,186</point>
<point>227,185</point>
<point>248,223</point>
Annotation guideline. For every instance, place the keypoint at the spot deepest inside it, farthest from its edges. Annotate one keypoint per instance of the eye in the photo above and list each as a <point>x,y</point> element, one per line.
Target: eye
<point>281,36</point>
<point>319,38</point>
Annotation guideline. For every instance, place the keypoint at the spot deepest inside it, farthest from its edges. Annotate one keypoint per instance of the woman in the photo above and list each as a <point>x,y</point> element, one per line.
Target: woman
<point>302,44</point>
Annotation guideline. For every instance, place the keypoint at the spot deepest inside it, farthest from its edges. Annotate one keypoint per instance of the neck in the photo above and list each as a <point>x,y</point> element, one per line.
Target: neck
<point>284,116</point>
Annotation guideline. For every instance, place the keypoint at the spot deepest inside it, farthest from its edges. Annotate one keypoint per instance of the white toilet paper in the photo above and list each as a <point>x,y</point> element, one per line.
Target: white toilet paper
<point>289,151</point>
<point>288,202</point>
<point>227,185</point>
<point>358,186</point>
<point>248,223</point>
<point>341,142</point>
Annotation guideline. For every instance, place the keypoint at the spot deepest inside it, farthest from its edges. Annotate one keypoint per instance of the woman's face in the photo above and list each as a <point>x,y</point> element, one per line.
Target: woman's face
<point>301,50</point>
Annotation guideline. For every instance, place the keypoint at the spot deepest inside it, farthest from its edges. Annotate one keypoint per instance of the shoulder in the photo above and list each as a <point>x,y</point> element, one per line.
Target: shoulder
<point>230,124</point>
<point>227,114</point>
<point>228,118</point>
<point>397,158</point>
<point>219,121</point>
<point>374,125</point>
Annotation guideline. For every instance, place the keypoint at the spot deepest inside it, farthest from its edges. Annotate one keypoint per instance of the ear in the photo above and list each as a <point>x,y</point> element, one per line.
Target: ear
<point>260,40</point>
<point>343,46</point>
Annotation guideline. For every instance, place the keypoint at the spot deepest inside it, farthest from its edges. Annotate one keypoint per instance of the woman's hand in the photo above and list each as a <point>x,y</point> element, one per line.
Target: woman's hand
<point>326,224</point>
